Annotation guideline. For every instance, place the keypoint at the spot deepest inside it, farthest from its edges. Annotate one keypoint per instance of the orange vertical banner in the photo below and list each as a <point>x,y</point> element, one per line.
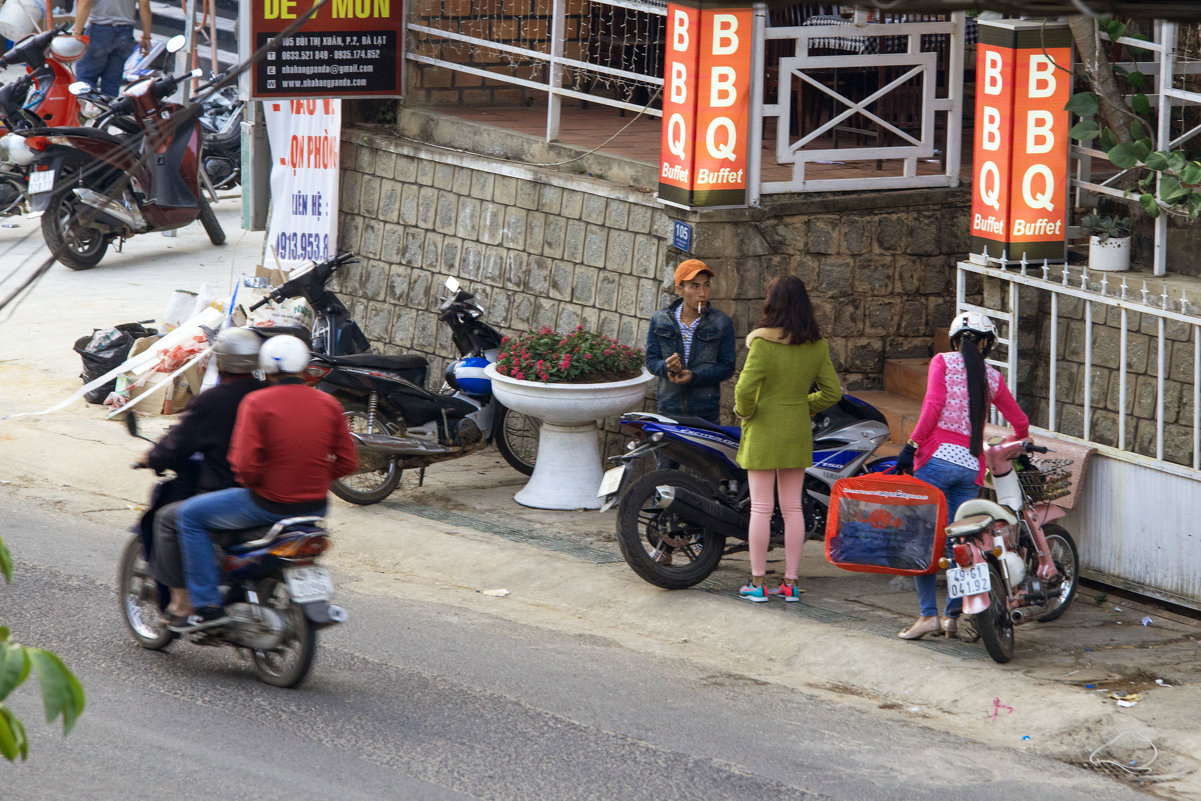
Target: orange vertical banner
<point>706,104</point>
<point>1019,191</point>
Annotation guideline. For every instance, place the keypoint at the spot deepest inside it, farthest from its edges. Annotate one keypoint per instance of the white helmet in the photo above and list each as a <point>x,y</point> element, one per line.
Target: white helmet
<point>283,354</point>
<point>237,350</point>
<point>973,321</point>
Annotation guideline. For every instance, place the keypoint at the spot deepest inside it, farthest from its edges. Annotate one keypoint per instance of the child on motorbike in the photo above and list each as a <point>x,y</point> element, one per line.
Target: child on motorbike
<point>947,444</point>
<point>772,399</point>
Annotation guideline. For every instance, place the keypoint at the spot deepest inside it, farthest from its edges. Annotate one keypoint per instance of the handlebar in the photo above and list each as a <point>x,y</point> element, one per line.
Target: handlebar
<point>322,270</point>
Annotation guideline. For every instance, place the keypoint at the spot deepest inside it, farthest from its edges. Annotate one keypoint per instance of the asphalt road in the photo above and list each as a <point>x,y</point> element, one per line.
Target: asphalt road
<point>424,700</point>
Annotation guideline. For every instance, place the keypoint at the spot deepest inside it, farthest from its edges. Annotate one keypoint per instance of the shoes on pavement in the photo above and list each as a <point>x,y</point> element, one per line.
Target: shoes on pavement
<point>950,627</point>
<point>203,617</point>
<point>920,628</point>
<point>754,594</point>
<point>791,593</point>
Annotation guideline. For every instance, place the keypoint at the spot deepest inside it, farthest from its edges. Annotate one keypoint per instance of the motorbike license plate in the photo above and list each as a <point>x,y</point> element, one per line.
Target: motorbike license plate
<point>309,583</point>
<point>968,581</point>
<point>41,181</point>
<point>611,481</point>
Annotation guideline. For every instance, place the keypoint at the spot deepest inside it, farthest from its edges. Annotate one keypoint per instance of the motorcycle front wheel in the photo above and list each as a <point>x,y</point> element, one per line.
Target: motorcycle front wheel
<point>1067,562</point>
<point>74,245</point>
<point>659,546</point>
<point>287,664</point>
<point>994,623</point>
<point>517,439</point>
<point>377,475</point>
<point>138,598</point>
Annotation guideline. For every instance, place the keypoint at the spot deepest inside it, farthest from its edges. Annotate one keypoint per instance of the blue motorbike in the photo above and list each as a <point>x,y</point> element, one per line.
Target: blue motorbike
<point>673,521</point>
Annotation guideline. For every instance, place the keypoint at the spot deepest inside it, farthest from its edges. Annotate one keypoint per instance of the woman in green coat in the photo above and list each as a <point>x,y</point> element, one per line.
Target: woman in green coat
<point>773,400</point>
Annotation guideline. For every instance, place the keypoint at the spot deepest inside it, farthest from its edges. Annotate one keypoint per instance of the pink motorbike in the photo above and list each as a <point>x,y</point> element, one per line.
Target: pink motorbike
<point>1009,562</point>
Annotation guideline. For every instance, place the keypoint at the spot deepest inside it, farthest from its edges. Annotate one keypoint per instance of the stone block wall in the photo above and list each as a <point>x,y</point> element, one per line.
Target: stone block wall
<point>541,247</point>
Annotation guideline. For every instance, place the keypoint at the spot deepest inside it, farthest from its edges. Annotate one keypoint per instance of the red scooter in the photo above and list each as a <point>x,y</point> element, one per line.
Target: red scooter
<point>95,187</point>
<point>1009,562</point>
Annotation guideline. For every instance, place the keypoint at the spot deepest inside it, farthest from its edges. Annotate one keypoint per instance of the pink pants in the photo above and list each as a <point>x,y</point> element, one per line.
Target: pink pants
<point>764,483</point>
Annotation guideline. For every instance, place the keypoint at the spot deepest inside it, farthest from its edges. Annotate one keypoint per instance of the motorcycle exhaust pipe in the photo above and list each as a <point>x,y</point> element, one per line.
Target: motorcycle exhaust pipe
<point>130,217</point>
<point>396,446</point>
<point>1020,616</point>
<point>336,613</point>
<point>704,512</point>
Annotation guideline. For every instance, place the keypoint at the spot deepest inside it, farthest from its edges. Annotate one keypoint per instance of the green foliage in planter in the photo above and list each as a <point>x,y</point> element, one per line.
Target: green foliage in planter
<point>1103,226</point>
<point>580,357</point>
<point>1176,173</point>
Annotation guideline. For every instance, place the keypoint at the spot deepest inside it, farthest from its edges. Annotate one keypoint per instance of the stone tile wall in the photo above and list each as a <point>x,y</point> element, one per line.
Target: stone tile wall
<point>541,247</point>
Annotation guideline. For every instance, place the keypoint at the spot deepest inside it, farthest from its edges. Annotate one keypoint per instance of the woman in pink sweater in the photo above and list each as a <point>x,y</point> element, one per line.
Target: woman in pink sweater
<point>947,445</point>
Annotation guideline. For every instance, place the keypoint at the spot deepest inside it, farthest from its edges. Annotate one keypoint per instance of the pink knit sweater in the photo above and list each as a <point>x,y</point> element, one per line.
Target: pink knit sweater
<point>946,414</point>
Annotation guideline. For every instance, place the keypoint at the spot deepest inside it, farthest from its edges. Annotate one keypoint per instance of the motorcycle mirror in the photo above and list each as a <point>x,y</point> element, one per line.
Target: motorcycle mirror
<point>79,88</point>
<point>176,43</point>
<point>255,282</point>
<point>452,284</point>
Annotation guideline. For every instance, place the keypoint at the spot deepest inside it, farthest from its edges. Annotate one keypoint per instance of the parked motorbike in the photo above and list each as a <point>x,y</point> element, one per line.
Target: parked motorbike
<point>221,127</point>
<point>672,524</point>
<point>271,586</point>
<point>1009,562</point>
<point>397,423</point>
<point>95,187</point>
<point>36,99</point>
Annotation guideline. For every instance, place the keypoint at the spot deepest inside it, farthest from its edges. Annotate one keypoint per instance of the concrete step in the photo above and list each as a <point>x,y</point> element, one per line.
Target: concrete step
<point>906,377</point>
<point>900,412</point>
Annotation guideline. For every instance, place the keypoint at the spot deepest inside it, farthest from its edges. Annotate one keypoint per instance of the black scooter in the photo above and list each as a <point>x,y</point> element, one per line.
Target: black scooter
<point>398,423</point>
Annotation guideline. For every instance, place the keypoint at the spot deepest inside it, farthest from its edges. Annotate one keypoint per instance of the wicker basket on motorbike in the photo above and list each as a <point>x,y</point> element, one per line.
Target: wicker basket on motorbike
<point>1044,479</point>
<point>886,524</point>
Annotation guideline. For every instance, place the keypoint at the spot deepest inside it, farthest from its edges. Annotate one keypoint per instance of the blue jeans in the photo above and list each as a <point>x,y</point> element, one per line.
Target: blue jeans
<point>108,48</point>
<point>958,483</point>
<point>223,510</point>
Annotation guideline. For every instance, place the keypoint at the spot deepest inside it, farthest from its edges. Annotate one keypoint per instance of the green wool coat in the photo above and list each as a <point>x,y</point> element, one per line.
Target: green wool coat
<point>773,400</point>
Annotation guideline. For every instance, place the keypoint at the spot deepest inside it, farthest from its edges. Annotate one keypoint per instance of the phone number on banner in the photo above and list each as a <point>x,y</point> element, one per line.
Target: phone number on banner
<point>295,246</point>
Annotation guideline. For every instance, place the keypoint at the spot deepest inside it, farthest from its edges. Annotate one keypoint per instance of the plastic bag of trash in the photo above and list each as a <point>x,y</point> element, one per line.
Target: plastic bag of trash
<point>104,349</point>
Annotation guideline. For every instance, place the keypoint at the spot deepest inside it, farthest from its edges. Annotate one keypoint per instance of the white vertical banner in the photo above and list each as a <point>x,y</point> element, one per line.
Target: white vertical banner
<point>304,138</point>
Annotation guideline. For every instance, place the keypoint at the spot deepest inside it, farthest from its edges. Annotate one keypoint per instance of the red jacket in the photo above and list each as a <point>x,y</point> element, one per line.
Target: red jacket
<point>289,442</point>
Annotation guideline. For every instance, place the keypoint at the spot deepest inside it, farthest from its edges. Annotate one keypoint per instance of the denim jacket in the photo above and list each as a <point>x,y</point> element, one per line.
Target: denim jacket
<point>711,360</point>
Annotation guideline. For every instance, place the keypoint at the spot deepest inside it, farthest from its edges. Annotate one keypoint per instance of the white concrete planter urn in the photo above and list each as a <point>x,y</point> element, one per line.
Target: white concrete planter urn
<point>1109,254</point>
<point>567,472</point>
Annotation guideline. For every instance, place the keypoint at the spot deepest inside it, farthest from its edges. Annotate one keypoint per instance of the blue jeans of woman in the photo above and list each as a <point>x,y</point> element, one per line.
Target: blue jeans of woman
<point>104,62</point>
<point>195,518</point>
<point>958,483</point>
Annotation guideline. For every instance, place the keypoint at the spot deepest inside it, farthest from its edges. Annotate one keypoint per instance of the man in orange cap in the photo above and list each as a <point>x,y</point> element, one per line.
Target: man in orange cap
<point>690,346</point>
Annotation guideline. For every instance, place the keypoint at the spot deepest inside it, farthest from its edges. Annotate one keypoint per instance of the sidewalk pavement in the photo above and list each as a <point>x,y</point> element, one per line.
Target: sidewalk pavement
<point>461,540</point>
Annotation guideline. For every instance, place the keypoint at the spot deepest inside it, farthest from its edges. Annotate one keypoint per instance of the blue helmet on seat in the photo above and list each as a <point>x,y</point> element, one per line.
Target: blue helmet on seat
<point>467,375</point>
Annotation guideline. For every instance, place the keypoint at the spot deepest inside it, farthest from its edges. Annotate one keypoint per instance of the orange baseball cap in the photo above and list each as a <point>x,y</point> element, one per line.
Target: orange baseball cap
<point>690,269</point>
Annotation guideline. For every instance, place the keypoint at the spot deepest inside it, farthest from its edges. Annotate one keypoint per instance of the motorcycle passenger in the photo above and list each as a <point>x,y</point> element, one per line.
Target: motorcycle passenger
<point>196,450</point>
<point>690,347</point>
<point>289,443</point>
<point>787,356</point>
<point>947,444</point>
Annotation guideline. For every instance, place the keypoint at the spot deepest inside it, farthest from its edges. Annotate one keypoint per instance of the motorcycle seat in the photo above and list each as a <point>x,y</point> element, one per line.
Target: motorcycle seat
<point>94,133</point>
<point>406,361</point>
<point>702,423</point>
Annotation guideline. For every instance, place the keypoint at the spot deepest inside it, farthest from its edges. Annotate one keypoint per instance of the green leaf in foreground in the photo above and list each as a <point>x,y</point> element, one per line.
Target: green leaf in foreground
<point>62,694</point>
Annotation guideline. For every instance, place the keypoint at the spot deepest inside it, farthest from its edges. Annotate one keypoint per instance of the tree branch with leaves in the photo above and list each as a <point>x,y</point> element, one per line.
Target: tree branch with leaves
<point>62,694</point>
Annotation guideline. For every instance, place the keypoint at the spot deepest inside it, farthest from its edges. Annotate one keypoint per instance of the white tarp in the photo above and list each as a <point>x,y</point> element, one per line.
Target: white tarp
<point>305,142</point>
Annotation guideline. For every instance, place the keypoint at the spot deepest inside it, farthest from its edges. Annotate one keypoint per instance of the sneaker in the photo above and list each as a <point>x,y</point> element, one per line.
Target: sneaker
<point>754,594</point>
<point>204,617</point>
<point>789,592</point>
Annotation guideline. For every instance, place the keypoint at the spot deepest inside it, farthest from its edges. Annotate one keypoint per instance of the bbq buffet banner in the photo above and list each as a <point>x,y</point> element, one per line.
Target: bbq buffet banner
<point>1019,191</point>
<point>706,105</point>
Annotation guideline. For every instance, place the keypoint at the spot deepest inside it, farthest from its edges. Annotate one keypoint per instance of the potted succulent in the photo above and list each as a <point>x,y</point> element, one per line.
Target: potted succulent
<point>568,381</point>
<point>1109,242</point>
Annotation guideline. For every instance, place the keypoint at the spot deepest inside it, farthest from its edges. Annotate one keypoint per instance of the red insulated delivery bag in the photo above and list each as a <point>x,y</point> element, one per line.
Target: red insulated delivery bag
<point>882,523</point>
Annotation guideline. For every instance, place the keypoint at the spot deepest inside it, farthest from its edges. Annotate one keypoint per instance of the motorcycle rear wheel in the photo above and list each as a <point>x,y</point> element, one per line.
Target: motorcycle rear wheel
<point>994,623</point>
<point>659,546</point>
<point>208,218</point>
<point>287,664</point>
<point>377,476</point>
<point>73,245</point>
<point>1067,562</point>
<point>517,439</point>
<point>138,598</point>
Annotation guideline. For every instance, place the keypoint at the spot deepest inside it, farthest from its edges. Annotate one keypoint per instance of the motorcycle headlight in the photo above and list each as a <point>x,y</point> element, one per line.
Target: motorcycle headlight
<point>16,149</point>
